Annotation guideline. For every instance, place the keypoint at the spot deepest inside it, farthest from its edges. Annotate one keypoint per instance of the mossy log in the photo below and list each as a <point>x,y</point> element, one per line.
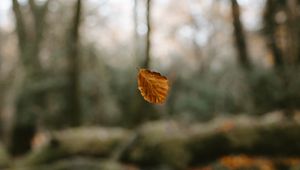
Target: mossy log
<point>4,157</point>
<point>176,144</point>
<point>179,145</point>
<point>87,141</point>
<point>258,138</point>
<point>78,163</point>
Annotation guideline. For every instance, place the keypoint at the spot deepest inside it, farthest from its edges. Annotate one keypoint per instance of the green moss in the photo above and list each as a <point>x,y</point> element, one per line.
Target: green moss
<point>78,163</point>
<point>4,157</point>
<point>93,142</point>
<point>161,143</point>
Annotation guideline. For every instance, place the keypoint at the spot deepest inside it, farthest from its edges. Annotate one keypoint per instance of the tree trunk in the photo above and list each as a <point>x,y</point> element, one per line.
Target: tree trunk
<point>148,35</point>
<point>136,34</point>
<point>298,35</point>
<point>29,103</point>
<point>73,90</point>
<point>293,31</point>
<point>270,32</point>
<point>141,110</point>
<point>239,36</point>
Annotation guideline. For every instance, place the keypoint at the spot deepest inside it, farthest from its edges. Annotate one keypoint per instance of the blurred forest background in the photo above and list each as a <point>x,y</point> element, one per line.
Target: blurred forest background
<point>68,88</point>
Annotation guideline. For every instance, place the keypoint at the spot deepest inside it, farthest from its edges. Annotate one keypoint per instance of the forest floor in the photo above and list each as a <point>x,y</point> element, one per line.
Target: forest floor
<point>241,142</point>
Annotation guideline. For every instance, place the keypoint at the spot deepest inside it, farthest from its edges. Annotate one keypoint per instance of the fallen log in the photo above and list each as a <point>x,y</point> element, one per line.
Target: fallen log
<point>176,144</point>
<point>78,163</point>
<point>4,157</point>
<point>180,145</point>
<point>276,140</point>
<point>84,141</point>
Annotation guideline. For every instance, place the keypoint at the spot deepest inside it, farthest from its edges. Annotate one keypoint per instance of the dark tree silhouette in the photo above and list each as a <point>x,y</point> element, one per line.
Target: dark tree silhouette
<point>239,36</point>
<point>136,35</point>
<point>30,101</point>
<point>73,89</point>
<point>148,35</point>
<point>293,31</point>
<point>141,110</point>
<point>270,30</point>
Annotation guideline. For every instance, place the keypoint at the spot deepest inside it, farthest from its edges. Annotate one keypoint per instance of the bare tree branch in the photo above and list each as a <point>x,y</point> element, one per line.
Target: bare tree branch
<point>39,14</point>
<point>33,6</point>
<point>20,24</point>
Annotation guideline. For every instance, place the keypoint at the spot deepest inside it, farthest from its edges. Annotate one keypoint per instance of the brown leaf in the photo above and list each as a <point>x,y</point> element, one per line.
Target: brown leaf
<point>153,86</point>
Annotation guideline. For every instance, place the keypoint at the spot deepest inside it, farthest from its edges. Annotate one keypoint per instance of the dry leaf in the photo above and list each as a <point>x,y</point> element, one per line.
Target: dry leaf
<point>153,86</point>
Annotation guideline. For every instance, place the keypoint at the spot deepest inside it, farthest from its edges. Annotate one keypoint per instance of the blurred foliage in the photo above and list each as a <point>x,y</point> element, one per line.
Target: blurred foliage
<point>109,94</point>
